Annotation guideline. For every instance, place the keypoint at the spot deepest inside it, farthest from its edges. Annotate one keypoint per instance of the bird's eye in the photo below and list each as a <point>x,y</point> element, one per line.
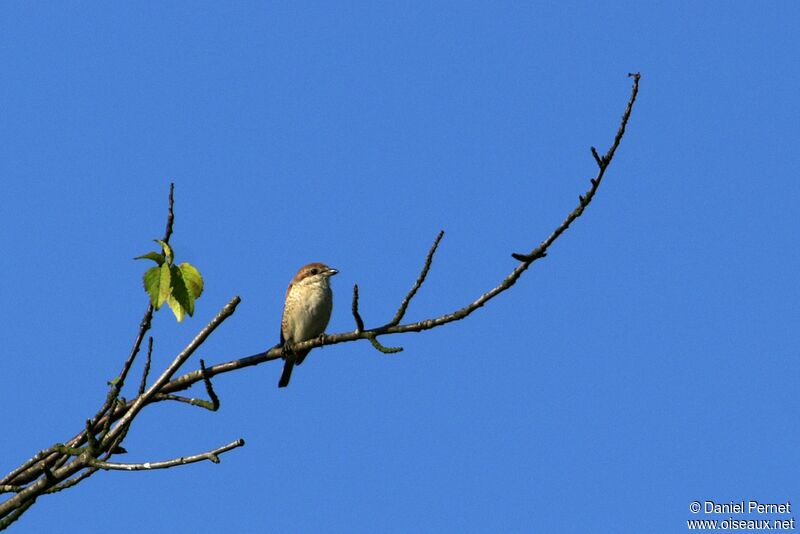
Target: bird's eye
<point>314,271</point>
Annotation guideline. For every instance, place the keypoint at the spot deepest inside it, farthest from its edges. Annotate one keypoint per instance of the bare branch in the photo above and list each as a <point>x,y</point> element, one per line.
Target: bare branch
<point>20,502</point>
<point>113,438</point>
<point>179,360</point>
<point>212,405</point>
<point>187,380</point>
<point>55,469</point>
<point>595,182</point>
<point>200,403</point>
<point>73,481</point>
<point>170,213</point>
<point>91,438</point>
<point>597,158</point>
<point>526,260</point>
<point>356,315</point>
<point>27,465</point>
<point>14,515</point>
<point>212,456</point>
<point>420,279</point>
<point>383,349</point>
<point>69,451</point>
<point>146,369</point>
<point>49,476</point>
<point>209,388</point>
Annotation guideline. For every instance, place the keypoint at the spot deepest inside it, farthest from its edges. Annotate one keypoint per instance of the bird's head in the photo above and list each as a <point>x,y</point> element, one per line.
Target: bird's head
<point>314,274</point>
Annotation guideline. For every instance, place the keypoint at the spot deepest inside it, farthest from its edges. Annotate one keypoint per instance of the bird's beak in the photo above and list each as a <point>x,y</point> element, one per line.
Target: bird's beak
<point>331,272</point>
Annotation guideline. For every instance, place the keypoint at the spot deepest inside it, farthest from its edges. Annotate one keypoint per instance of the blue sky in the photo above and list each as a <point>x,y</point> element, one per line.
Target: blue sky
<point>649,361</point>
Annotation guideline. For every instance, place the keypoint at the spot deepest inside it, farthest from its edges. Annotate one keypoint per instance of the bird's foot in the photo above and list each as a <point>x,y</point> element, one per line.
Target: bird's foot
<point>287,351</point>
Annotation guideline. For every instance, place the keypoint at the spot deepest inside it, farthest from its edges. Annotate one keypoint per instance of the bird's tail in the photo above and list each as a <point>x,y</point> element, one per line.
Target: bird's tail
<point>287,373</point>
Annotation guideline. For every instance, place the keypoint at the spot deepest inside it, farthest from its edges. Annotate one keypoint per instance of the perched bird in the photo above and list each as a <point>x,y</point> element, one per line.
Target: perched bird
<point>306,312</point>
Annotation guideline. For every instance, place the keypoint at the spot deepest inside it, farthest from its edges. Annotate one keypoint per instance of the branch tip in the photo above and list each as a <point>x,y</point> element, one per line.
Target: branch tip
<point>356,315</point>
<point>597,158</point>
<point>209,388</point>
<point>381,348</point>
<point>170,213</point>
<point>212,456</point>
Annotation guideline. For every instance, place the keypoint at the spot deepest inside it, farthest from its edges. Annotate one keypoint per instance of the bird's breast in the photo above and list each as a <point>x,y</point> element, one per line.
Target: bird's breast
<point>307,312</point>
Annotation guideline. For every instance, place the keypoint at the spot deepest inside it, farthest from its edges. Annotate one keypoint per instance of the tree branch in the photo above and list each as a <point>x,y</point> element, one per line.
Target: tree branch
<point>144,326</point>
<point>401,311</point>
<point>356,315</point>
<point>49,470</point>
<point>179,360</point>
<point>73,481</point>
<point>212,456</point>
<point>146,370</point>
<point>212,405</point>
<point>188,379</point>
<point>55,468</point>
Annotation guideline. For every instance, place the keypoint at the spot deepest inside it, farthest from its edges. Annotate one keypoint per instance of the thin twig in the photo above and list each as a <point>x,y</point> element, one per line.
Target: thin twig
<point>356,315</point>
<point>146,369</point>
<point>201,403</point>
<point>381,348</point>
<point>597,158</point>
<point>420,279</point>
<point>170,213</point>
<point>209,388</point>
<point>212,456</point>
<point>73,481</point>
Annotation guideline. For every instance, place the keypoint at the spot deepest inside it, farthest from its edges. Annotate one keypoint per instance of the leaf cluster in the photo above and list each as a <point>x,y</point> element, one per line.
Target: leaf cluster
<point>177,285</point>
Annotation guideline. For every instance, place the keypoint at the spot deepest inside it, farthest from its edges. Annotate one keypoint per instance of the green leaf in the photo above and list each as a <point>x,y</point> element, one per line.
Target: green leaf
<point>164,283</point>
<point>167,250</point>
<point>177,308</point>
<point>152,279</point>
<point>180,293</point>
<point>155,256</point>
<point>193,280</point>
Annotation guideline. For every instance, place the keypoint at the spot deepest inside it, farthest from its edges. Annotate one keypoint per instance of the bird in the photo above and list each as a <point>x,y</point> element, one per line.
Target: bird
<point>306,312</point>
